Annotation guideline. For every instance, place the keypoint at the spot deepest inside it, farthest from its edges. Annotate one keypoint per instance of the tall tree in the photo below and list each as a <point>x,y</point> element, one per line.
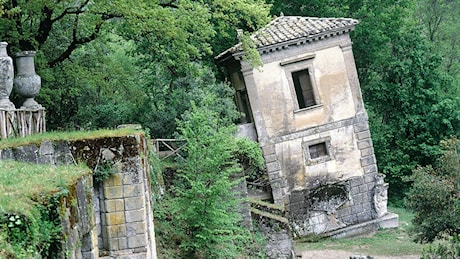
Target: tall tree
<point>439,20</point>
<point>204,209</point>
<point>412,82</point>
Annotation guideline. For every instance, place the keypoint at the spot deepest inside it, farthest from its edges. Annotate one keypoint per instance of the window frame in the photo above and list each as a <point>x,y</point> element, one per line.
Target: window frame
<point>296,65</point>
<point>300,88</point>
<point>321,159</point>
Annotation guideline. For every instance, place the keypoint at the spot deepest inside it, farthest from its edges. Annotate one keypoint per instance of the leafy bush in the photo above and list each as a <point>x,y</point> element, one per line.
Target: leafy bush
<point>450,250</point>
<point>29,214</point>
<point>435,195</point>
<point>34,236</point>
<point>103,171</point>
<point>200,217</point>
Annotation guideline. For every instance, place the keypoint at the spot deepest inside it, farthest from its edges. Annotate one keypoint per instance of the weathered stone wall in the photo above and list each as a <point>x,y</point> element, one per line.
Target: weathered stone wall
<point>113,218</point>
<point>272,95</point>
<point>271,221</point>
<point>332,206</point>
<point>78,221</point>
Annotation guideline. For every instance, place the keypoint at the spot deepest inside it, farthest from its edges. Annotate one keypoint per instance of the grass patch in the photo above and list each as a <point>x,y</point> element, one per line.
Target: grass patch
<point>68,136</point>
<point>23,184</point>
<point>29,209</point>
<point>387,242</point>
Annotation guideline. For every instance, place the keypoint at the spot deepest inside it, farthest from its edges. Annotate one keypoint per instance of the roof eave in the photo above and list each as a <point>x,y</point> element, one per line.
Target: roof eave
<point>237,52</point>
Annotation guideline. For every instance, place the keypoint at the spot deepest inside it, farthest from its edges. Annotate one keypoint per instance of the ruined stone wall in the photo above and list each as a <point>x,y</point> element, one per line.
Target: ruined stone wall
<point>328,195</point>
<point>332,206</point>
<point>78,221</point>
<point>271,221</point>
<point>113,217</point>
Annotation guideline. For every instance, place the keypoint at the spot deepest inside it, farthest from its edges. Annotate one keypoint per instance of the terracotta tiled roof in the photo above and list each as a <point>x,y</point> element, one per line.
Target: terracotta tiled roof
<point>289,30</point>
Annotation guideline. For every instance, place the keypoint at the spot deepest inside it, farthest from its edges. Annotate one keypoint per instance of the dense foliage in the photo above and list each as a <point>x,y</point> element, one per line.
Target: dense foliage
<point>201,216</point>
<point>435,195</point>
<point>105,63</point>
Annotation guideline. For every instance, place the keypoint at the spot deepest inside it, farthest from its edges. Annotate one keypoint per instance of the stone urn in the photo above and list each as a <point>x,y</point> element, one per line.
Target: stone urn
<point>27,83</point>
<point>6,77</point>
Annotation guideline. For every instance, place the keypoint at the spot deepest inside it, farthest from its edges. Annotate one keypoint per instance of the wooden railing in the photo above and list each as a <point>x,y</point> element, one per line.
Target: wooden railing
<point>21,122</point>
<point>165,148</point>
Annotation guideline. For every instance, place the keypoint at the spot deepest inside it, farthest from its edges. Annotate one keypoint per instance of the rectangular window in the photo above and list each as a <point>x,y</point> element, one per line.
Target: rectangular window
<point>317,150</point>
<point>242,104</point>
<point>303,88</point>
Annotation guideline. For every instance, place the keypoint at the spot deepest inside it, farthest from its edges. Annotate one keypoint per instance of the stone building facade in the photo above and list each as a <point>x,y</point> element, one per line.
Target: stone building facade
<point>304,107</point>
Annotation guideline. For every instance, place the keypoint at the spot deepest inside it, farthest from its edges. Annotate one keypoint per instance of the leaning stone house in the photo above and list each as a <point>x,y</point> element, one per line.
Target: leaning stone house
<point>305,109</point>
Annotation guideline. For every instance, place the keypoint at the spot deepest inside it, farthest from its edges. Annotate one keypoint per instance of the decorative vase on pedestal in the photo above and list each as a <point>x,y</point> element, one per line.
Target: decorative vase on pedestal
<point>27,83</point>
<point>6,78</point>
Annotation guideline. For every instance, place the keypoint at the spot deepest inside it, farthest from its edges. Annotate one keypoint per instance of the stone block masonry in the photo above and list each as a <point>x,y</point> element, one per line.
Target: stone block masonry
<point>110,218</point>
<point>272,222</point>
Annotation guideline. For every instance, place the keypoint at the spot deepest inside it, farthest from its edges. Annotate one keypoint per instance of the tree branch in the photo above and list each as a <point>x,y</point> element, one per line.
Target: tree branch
<point>46,24</point>
<point>76,42</point>
<point>171,4</point>
<point>67,11</point>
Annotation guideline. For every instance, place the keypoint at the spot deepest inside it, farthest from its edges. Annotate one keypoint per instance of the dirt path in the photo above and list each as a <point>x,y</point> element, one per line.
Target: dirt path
<point>342,254</point>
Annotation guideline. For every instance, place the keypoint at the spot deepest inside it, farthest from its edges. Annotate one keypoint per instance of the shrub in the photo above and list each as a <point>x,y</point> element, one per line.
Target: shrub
<point>450,250</point>
<point>435,195</point>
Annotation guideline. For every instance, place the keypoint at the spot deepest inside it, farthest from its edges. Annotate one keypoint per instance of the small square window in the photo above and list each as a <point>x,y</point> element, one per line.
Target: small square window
<point>317,150</point>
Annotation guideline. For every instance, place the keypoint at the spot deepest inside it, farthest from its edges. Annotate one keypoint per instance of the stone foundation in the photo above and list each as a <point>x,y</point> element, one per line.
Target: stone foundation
<point>271,221</point>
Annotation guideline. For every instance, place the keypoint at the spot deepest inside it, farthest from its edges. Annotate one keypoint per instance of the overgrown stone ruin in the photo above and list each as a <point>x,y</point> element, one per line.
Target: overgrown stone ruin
<point>106,214</point>
<point>304,107</point>
<point>102,217</point>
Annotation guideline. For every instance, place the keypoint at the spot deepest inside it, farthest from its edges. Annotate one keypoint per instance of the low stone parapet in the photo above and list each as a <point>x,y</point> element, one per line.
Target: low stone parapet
<point>109,213</point>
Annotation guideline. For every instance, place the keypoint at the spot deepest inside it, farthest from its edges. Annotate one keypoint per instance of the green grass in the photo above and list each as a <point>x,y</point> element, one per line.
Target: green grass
<point>387,242</point>
<point>28,197</point>
<point>22,184</point>
<point>68,136</point>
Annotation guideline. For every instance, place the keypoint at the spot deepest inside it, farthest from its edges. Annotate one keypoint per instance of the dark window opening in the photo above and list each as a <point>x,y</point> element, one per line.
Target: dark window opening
<point>303,88</point>
<point>317,150</point>
<point>242,104</point>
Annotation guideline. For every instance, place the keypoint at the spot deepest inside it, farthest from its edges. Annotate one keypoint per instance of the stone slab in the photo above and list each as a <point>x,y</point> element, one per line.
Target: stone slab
<point>389,220</point>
